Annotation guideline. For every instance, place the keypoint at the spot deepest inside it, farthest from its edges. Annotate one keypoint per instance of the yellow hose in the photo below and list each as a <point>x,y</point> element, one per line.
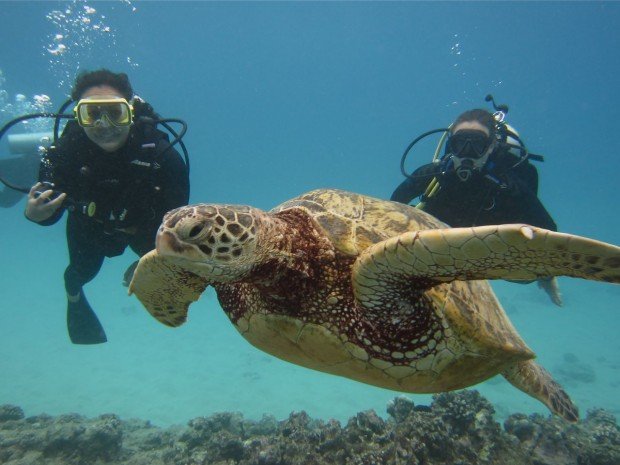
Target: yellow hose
<point>433,187</point>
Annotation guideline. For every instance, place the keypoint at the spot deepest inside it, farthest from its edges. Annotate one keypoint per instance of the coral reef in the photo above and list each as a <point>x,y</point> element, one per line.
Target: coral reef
<point>457,429</point>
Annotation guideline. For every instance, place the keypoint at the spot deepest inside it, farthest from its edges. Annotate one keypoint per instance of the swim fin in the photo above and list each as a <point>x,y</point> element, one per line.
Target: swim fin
<point>83,324</point>
<point>128,276</point>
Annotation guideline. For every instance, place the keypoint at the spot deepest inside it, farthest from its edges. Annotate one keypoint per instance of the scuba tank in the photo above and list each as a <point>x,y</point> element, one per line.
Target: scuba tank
<point>29,142</point>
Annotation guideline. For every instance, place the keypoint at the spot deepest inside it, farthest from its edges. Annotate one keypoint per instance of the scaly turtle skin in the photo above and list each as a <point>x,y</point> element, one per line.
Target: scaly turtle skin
<point>372,290</point>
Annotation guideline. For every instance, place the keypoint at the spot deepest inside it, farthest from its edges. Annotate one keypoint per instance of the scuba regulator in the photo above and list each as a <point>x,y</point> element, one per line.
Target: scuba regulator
<point>41,143</point>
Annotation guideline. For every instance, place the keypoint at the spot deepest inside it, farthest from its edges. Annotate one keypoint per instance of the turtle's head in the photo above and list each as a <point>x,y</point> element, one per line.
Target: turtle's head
<point>219,241</point>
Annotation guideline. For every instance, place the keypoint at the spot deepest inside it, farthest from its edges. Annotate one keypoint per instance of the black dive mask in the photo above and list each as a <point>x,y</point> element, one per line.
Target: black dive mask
<point>469,143</point>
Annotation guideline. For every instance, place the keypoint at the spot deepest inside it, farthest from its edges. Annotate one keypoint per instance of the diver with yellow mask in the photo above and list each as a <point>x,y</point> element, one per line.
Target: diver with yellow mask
<point>484,177</point>
<point>116,174</point>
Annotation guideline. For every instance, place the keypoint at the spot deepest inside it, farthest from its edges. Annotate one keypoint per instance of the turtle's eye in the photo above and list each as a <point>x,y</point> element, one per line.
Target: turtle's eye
<point>195,231</point>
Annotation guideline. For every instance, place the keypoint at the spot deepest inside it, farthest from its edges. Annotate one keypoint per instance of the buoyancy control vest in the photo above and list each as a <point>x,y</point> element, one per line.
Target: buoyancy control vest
<point>120,189</point>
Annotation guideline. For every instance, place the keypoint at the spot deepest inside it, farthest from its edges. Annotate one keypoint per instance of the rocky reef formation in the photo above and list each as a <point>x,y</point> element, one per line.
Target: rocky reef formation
<point>457,429</point>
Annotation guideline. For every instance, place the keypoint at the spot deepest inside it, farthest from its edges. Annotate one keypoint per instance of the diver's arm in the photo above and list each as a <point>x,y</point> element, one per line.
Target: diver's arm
<point>533,211</point>
<point>414,186</point>
<point>405,192</point>
<point>529,175</point>
<point>541,216</point>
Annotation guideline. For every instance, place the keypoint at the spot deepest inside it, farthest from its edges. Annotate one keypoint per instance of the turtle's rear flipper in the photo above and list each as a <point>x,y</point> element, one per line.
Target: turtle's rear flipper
<point>534,380</point>
<point>83,324</point>
<point>511,251</point>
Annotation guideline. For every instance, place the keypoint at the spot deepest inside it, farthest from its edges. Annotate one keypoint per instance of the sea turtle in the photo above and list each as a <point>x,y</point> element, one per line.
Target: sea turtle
<point>368,289</point>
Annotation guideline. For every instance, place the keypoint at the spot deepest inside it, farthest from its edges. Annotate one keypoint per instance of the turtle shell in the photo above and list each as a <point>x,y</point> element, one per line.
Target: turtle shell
<point>447,336</point>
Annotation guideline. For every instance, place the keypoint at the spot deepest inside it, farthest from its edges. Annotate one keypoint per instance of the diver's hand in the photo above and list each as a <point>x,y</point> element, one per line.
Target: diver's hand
<point>551,287</point>
<point>39,206</point>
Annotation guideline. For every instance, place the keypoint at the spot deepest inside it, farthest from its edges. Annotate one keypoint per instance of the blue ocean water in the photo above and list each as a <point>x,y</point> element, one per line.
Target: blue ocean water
<point>285,97</point>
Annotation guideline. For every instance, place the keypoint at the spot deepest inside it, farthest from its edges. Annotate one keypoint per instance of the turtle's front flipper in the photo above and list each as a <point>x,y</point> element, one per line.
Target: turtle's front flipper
<point>166,287</point>
<point>534,380</point>
<point>511,251</point>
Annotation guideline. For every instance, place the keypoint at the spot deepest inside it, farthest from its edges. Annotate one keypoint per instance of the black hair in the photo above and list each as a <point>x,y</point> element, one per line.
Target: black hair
<point>481,116</point>
<point>87,79</point>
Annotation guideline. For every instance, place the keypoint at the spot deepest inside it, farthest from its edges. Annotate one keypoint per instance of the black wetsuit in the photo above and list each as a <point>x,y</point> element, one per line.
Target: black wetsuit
<point>131,188</point>
<point>501,193</point>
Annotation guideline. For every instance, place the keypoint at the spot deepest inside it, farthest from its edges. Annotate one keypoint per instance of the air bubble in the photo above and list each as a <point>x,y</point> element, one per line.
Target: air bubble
<point>79,32</point>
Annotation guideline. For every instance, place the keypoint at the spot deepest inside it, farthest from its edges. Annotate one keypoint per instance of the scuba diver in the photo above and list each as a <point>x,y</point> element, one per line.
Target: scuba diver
<point>117,174</point>
<point>484,177</point>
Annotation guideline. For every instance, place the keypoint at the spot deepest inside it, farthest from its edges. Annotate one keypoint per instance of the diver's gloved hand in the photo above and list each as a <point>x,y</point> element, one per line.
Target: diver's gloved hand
<point>551,287</point>
<point>41,204</point>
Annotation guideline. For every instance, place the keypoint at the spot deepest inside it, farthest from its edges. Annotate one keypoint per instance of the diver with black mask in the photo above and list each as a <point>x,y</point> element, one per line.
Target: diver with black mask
<point>117,175</point>
<point>484,177</point>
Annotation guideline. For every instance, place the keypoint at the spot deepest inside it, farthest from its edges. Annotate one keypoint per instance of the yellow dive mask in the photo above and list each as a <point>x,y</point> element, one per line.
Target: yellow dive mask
<point>117,111</point>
